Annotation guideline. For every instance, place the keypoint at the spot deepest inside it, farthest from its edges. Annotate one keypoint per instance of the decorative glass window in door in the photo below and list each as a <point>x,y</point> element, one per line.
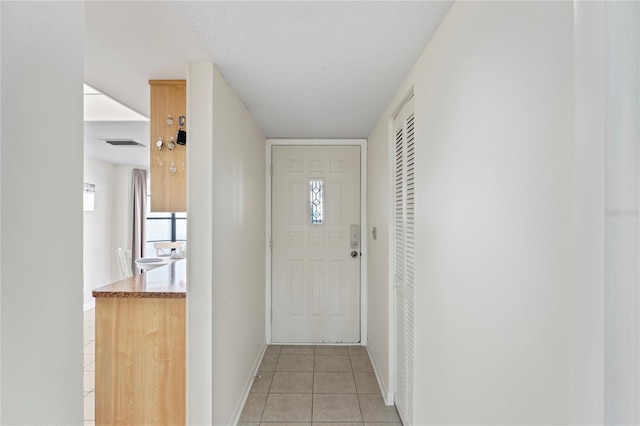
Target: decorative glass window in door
<point>316,204</point>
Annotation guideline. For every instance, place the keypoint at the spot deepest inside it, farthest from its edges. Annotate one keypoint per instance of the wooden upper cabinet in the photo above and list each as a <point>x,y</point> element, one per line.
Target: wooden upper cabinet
<point>168,166</point>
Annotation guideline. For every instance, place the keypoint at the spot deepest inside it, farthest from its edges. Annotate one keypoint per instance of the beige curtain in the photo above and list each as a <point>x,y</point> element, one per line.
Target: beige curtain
<point>139,193</point>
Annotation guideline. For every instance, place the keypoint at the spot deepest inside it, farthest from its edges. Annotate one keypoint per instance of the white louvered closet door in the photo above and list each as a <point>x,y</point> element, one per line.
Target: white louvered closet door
<point>404,168</point>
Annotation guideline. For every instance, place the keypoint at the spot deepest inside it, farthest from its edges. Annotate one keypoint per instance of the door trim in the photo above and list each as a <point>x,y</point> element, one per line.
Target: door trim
<point>362,143</point>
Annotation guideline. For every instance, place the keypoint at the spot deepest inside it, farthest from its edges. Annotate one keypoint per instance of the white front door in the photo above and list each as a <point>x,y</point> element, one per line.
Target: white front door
<point>315,258</point>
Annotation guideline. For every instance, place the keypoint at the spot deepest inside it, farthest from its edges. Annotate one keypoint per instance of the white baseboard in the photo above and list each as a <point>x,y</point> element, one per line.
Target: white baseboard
<point>89,305</point>
<point>247,387</point>
<point>387,395</point>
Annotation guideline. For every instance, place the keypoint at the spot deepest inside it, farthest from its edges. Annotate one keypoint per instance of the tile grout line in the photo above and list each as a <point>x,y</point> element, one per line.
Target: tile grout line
<point>313,380</point>
<point>355,384</point>
<point>315,354</point>
<point>270,384</point>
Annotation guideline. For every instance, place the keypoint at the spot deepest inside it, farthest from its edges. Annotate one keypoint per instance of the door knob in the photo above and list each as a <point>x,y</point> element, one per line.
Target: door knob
<point>354,254</point>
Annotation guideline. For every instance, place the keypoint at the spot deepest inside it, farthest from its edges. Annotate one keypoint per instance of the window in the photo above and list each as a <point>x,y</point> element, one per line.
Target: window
<point>315,198</point>
<point>163,227</point>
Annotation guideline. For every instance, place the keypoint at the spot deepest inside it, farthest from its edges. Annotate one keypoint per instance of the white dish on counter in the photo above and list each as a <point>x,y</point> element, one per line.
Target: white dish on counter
<point>149,260</point>
<point>147,263</point>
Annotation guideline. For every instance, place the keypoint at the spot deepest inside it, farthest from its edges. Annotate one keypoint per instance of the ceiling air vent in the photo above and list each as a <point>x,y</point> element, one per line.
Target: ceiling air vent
<point>122,142</point>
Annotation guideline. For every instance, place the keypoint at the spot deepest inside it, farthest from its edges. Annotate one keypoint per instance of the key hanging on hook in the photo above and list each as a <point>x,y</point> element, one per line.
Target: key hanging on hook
<point>181,138</point>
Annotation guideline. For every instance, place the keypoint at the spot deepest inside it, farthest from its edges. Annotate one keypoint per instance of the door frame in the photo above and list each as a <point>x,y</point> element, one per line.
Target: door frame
<point>362,143</point>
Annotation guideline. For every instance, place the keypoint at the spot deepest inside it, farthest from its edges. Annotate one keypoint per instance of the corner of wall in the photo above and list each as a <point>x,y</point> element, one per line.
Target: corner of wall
<point>237,411</point>
<point>226,192</point>
<point>200,218</point>
<point>387,393</point>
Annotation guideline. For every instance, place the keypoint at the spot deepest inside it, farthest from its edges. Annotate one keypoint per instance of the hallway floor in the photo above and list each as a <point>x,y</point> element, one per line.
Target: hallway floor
<point>316,385</point>
<point>89,366</point>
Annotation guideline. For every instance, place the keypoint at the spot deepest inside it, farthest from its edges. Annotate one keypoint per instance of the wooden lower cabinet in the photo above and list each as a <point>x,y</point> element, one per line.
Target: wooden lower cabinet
<point>140,361</point>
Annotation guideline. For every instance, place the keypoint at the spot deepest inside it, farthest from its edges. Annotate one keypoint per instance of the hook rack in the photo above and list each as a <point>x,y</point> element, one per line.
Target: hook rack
<point>167,167</point>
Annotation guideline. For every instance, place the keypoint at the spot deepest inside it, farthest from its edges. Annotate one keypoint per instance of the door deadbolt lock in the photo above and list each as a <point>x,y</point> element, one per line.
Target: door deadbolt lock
<point>354,254</point>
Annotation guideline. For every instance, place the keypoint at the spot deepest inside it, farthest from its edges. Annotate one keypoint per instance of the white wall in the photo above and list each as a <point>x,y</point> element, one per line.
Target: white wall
<point>41,236</point>
<point>227,179</point>
<point>121,213</point>
<point>378,207</point>
<point>622,224</point>
<point>108,226</point>
<point>494,194</point>
<point>199,266</point>
<point>590,65</point>
<point>238,248</point>
<point>97,254</point>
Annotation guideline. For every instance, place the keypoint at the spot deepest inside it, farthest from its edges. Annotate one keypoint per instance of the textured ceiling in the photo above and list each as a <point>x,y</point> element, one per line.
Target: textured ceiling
<point>304,69</point>
<point>128,43</point>
<point>314,68</point>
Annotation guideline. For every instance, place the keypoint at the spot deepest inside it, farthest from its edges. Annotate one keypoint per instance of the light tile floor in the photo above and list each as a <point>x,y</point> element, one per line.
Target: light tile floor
<point>296,385</point>
<point>305,385</point>
<point>89,366</point>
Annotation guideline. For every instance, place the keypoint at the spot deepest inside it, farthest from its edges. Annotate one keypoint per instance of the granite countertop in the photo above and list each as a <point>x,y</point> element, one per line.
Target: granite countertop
<point>168,281</point>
